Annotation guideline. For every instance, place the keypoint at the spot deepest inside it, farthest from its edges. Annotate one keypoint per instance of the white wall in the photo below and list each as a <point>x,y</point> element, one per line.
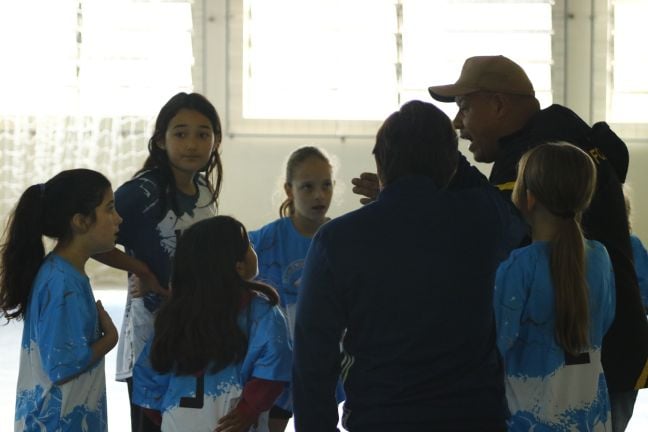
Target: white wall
<point>254,170</point>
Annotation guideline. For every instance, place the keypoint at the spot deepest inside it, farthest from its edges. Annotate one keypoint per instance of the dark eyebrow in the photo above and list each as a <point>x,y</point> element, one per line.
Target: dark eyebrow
<point>186,125</point>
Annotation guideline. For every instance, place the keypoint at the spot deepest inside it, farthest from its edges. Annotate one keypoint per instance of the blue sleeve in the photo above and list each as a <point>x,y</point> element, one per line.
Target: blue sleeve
<point>641,267</point>
<point>270,347</point>
<point>319,325</point>
<point>149,386</point>
<point>66,330</point>
<point>508,301</point>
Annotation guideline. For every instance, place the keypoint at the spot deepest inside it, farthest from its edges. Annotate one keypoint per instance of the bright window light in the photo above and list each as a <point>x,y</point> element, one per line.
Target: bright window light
<point>319,59</point>
<point>90,57</point>
<point>629,90</point>
<point>361,59</point>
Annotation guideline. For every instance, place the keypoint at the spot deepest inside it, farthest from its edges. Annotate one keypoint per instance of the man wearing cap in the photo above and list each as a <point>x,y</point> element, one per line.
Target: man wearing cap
<point>500,116</point>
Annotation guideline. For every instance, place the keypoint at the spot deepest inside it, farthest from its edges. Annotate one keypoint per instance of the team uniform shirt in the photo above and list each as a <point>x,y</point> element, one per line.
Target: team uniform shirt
<point>151,239</point>
<point>281,251</point>
<point>546,388</point>
<point>196,402</point>
<point>58,388</point>
<point>641,266</point>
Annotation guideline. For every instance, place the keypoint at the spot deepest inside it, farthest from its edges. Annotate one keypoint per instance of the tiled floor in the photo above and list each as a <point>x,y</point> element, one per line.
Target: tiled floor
<point>113,301</point>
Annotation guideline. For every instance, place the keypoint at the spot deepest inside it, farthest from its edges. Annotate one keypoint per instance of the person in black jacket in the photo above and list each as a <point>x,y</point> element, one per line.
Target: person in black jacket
<point>500,116</point>
<point>408,280</point>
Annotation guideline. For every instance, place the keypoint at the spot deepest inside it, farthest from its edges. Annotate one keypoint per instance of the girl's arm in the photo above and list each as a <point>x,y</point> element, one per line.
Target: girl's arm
<point>109,339</point>
<point>119,260</point>
<point>259,395</point>
<point>104,344</point>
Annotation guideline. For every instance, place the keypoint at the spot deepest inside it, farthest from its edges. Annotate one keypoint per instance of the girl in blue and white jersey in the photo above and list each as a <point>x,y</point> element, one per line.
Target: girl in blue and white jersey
<point>220,354</point>
<point>66,334</point>
<point>174,189</point>
<point>555,299</point>
<point>282,244</point>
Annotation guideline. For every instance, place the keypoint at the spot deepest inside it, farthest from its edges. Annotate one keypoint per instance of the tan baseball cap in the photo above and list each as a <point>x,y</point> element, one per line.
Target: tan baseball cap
<point>497,74</point>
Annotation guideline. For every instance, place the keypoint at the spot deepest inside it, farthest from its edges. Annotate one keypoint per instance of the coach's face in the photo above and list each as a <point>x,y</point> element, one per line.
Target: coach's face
<point>477,121</point>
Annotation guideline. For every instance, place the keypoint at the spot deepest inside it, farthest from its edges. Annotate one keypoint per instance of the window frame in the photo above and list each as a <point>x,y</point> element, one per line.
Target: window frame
<point>237,126</point>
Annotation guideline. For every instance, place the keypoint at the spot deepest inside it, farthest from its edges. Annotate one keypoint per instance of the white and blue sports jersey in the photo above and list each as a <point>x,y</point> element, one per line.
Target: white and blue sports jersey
<point>281,251</point>
<point>196,403</point>
<point>58,389</point>
<point>641,267</point>
<point>547,389</point>
<point>152,239</point>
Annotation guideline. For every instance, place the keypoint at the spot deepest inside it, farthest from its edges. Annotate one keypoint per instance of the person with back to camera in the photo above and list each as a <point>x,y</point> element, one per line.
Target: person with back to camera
<point>66,334</point>
<point>282,245</point>
<point>419,346</point>
<point>554,299</point>
<point>220,355</point>
<point>500,116</point>
<point>173,190</point>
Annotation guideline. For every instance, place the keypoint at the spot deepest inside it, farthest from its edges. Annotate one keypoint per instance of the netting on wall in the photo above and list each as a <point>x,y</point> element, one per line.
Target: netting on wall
<point>34,149</point>
<point>83,91</point>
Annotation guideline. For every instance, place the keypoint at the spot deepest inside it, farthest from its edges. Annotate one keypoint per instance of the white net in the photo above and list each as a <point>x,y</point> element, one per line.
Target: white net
<point>34,149</point>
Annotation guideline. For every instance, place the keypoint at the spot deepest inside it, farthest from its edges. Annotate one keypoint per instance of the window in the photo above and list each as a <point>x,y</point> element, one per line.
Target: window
<point>620,67</point>
<point>94,57</point>
<point>337,67</point>
<point>629,63</point>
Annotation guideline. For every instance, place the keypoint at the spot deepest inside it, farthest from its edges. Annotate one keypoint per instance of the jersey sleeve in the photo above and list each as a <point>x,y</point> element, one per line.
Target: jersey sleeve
<point>132,199</point>
<point>509,299</point>
<point>149,386</point>
<point>66,330</point>
<point>271,348</point>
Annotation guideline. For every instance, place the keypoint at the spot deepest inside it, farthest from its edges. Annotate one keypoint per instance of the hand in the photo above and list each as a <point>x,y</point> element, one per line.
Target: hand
<point>366,185</point>
<point>146,283</point>
<point>107,326</point>
<point>235,421</point>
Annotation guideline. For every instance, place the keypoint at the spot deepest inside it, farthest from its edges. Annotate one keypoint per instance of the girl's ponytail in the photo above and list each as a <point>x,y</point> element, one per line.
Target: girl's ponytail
<point>568,274</point>
<point>22,252</point>
<point>562,178</point>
